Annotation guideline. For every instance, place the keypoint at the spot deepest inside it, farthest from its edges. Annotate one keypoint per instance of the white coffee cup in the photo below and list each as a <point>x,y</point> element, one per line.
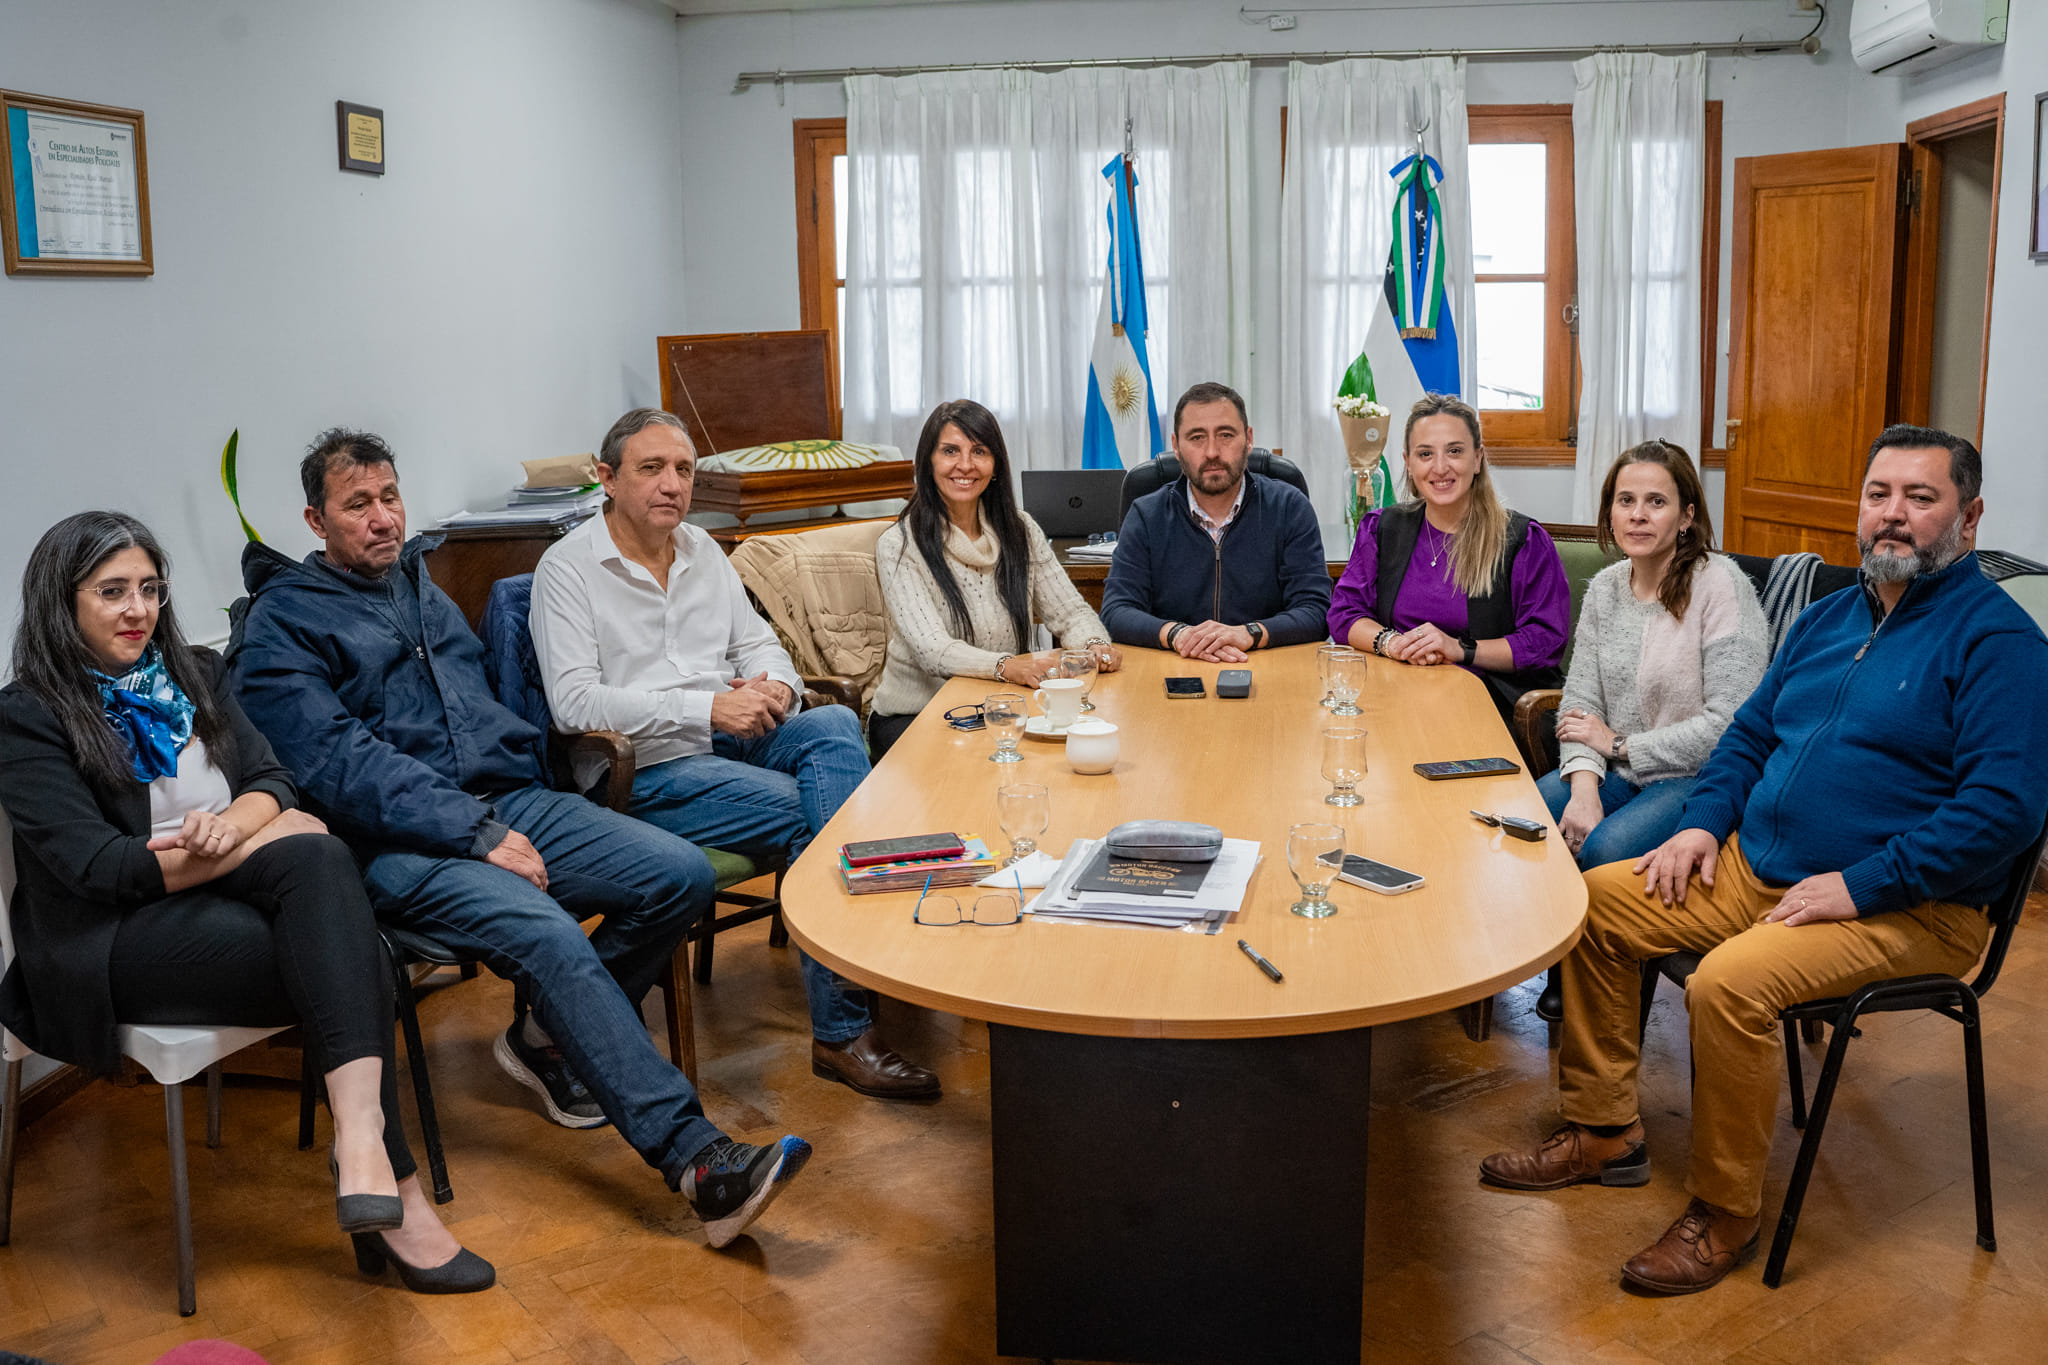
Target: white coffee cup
<point>1060,700</point>
<point>1091,746</point>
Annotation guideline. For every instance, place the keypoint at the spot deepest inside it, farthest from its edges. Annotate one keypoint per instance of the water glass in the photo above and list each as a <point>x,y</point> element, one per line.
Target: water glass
<point>1005,713</point>
<point>1325,656</point>
<point>1347,682</point>
<point>1082,664</point>
<point>1343,765</point>
<point>1025,809</point>
<point>1314,853</point>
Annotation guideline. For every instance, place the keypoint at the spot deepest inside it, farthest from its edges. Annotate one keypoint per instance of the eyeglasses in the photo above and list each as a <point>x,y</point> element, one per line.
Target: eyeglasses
<point>966,717</point>
<point>990,911</point>
<point>155,592</point>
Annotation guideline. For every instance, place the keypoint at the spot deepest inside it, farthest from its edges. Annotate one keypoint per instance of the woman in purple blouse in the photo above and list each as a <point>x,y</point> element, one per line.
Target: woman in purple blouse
<point>1452,576</point>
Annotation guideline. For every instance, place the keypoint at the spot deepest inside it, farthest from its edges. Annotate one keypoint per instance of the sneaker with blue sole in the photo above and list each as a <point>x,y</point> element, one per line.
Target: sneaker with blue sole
<point>730,1183</point>
<point>546,1072</point>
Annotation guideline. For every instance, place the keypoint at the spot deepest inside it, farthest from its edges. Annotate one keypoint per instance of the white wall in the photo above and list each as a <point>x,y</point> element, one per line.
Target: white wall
<point>494,297</point>
<point>2015,400</point>
<point>740,217</point>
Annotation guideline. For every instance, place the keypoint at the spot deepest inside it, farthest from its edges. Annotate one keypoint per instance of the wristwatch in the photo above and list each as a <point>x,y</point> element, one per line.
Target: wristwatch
<point>1471,648</point>
<point>1257,632</point>
<point>1617,752</point>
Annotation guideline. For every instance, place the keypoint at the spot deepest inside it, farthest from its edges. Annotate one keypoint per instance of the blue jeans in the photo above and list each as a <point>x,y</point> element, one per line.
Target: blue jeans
<point>1637,818</point>
<point>585,991</point>
<point>767,798</point>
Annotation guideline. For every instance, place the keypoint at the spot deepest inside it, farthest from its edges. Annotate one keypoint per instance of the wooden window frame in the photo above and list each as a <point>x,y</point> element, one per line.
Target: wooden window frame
<point>816,142</point>
<point>1510,447</point>
<point>1547,431</point>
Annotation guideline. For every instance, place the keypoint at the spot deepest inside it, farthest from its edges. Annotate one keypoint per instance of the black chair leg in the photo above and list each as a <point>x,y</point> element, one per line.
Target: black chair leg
<point>308,1084</point>
<point>1795,1074</point>
<point>707,935</point>
<point>422,1090</point>
<point>1809,1150</point>
<point>778,932</point>
<point>1651,976</point>
<point>1980,1129</point>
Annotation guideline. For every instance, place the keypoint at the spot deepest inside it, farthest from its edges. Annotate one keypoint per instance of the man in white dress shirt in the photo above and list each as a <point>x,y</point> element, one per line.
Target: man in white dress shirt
<point>642,626</point>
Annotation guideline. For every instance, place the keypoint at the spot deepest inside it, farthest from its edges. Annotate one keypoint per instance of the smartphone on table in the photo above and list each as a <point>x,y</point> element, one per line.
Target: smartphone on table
<point>1178,688</point>
<point>1384,878</point>
<point>1467,767</point>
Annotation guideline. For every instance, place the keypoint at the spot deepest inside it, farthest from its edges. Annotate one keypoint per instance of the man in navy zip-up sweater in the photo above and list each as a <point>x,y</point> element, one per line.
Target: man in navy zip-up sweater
<point>1861,809</point>
<point>1220,562</point>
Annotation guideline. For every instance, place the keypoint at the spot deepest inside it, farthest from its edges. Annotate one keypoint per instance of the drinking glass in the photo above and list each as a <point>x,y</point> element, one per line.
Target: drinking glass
<point>1325,656</point>
<point>1004,714</point>
<point>1347,682</point>
<point>1082,664</point>
<point>1025,810</point>
<point>1308,846</point>
<point>1343,765</point>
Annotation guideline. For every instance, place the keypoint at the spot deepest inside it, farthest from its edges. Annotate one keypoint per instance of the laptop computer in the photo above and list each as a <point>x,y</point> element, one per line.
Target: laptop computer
<point>1068,503</point>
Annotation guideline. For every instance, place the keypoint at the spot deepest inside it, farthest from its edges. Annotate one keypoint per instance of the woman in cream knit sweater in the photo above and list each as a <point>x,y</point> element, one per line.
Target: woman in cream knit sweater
<point>963,572</point>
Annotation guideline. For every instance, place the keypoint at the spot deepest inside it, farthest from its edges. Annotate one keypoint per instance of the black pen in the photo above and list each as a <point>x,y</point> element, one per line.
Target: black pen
<point>1253,953</point>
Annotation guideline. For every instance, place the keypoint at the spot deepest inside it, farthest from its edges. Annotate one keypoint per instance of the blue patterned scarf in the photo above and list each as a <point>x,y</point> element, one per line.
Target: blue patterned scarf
<point>150,714</point>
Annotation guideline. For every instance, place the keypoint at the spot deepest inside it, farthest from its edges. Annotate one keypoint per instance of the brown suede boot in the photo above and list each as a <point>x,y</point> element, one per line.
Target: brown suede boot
<point>1571,1156</point>
<point>1696,1252</point>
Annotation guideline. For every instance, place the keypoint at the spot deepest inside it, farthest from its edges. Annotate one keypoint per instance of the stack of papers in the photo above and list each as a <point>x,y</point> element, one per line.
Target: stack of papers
<point>1203,911</point>
<point>1092,554</point>
<point>536,507</point>
<point>971,865</point>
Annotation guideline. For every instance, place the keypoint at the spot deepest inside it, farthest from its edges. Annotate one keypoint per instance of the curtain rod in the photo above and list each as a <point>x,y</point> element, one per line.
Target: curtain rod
<point>1808,44</point>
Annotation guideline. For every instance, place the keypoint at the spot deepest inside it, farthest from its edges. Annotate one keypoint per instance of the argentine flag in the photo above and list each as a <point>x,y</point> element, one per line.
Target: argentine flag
<point>1123,425</point>
<point>1411,346</point>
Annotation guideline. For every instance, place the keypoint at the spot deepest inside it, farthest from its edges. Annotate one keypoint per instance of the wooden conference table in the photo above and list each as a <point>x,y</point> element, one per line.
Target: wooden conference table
<point>1179,1143</point>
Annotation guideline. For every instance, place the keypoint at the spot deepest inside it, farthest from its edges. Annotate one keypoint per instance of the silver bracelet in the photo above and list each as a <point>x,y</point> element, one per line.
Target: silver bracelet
<point>999,667</point>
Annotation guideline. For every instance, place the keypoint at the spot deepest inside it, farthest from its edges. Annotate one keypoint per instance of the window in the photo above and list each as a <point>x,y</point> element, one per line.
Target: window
<point>821,234</point>
<point>1525,277</point>
<point>1523,235</point>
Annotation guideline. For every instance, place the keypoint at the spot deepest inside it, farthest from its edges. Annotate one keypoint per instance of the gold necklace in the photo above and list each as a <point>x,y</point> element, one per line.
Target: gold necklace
<point>1440,545</point>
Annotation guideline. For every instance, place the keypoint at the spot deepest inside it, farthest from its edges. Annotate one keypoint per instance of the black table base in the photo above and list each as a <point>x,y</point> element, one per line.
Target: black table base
<point>1180,1202</point>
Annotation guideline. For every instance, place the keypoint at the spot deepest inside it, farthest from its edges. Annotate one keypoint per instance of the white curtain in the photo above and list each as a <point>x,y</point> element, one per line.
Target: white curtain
<point>1639,147</point>
<point>977,243</point>
<point>1348,125</point>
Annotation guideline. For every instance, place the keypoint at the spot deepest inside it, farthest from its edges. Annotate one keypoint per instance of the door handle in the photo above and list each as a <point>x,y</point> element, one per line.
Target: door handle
<point>1733,431</point>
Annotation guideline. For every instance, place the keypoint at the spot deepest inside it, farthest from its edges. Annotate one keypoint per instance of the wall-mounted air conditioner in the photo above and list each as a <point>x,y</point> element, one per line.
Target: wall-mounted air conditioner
<point>1903,37</point>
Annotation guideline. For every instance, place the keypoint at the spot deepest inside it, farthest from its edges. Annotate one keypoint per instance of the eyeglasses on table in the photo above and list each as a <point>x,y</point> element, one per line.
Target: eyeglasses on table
<point>989,910</point>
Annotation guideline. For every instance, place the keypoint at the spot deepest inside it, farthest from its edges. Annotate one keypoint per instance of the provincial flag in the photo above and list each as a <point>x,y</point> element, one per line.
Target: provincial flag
<point>1122,428</point>
<point>1411,347</point>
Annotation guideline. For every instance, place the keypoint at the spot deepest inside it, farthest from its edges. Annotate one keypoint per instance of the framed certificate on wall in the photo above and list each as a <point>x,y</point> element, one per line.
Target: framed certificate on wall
<point>74,188</point>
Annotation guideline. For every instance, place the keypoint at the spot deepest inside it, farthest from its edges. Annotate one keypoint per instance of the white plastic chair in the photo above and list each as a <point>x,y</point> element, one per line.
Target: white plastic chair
<point>170,1055</point>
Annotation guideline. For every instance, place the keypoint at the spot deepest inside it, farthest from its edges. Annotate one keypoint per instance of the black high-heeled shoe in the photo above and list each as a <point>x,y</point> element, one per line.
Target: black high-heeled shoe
<point>364,1212</point>
<point>466,1274</point>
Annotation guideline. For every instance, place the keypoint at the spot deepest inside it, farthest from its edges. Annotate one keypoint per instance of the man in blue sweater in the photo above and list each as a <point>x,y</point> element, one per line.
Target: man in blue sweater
<point>1219,562</point>
<point>1861,809</point>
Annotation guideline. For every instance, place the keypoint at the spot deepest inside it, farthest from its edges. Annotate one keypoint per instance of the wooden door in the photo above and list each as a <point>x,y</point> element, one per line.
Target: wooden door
<point>1819,251</point>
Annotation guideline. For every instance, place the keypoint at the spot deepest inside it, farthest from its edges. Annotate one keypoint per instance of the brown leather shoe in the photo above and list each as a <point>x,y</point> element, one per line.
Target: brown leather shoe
<point>1572,1156</point>
<point>1696,1253</point>
<point>872,1068</point>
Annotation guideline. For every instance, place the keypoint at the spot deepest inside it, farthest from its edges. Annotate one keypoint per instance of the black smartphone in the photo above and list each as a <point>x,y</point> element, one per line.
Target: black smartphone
<point>1185,687</point>
<point>1466,767</point>
<point>1380,877</point>
<point>868,851</point>
<point>1234,682</point>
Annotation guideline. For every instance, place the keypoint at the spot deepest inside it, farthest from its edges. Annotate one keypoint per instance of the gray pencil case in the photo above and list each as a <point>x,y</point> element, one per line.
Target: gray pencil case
<point>1171,841</point>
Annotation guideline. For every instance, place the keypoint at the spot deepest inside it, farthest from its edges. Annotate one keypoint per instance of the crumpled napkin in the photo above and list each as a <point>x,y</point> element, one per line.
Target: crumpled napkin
<point>1031,872</point>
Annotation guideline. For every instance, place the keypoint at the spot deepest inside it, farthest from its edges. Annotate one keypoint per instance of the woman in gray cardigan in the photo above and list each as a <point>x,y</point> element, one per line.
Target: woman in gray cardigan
<point>1670,642</point>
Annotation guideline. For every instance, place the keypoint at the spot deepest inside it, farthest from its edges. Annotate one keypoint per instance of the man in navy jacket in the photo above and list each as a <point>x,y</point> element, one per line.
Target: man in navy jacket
<point>370,685</point>
<point>1219,562</point>
<point>1861,809</point>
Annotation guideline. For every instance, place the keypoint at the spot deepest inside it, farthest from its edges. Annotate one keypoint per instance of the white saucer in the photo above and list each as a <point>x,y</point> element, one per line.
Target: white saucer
<point>1041,727</point>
